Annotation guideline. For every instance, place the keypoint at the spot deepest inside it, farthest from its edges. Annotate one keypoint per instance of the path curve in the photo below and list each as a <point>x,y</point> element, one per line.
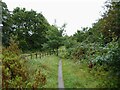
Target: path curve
<point>60,77</point>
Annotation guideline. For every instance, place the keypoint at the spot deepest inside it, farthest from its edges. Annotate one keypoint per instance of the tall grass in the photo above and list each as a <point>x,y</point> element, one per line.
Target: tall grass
<point>48,66</point>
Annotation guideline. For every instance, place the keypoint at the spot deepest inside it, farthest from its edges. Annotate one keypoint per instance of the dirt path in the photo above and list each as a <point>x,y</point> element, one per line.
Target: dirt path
<point>60,78</point>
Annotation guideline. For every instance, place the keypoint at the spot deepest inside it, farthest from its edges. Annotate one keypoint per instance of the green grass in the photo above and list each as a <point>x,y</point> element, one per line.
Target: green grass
<point>77,75</point>
<point>48,66</point>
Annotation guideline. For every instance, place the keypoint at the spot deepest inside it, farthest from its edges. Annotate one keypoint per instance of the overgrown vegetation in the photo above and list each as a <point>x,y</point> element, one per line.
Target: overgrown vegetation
<point>94,66</point>
<point>14,71</point>
<point>99,47</point>
<point>92,52</point>
<point>48,66</point>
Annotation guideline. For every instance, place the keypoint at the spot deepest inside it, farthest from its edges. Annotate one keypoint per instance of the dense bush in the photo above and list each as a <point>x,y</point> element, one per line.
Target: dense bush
<point>105,59</point>
<point>15,73</point>
<point>62,52</point>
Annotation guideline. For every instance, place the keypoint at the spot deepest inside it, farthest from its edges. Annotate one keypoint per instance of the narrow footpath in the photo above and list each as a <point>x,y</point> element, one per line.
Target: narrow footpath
<point>60,76</point>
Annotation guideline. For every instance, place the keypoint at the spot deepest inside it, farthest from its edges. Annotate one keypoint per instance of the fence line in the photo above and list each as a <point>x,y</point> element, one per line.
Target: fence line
<point>37,55</point>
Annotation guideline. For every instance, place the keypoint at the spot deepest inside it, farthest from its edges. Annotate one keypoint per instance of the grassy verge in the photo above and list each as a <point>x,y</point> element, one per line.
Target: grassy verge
<point>78,75</point>
<point>48,66</point>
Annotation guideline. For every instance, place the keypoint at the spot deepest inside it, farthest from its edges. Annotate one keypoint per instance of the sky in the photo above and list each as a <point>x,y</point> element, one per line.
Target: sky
<point>75,13</point>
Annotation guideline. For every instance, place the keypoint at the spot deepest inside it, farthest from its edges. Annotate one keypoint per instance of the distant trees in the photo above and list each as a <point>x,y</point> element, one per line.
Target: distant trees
<point>54,39</point>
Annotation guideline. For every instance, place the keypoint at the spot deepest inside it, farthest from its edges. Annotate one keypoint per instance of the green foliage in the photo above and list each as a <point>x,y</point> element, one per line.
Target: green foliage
<point>81,35</point>
<point>54,39</point>
<point>70,44</point>
<point>27,27</point>
<point>30,28</point>
<point>46,67</point>
<point>15,73</point>
<point>112,19</point>
<point>62,52</point>
<point>7,23</point>
<point>99,45</point>
<point>105,58</point>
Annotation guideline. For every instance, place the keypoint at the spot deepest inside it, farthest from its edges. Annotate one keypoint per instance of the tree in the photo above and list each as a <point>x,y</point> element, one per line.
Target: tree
<point>7,23</point>
<point>29,27</point>
<point>112,20</point>
<point>79,36</point>
<point>54,38</point>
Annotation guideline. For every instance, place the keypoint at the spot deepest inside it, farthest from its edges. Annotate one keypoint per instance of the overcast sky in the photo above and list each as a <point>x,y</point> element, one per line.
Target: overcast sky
<point>76,13</point>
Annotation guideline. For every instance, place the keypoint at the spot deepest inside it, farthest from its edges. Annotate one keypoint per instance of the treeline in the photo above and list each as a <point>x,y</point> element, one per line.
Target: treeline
<point>30,29</point>
<point>26,32</point>
<point>99,46</point>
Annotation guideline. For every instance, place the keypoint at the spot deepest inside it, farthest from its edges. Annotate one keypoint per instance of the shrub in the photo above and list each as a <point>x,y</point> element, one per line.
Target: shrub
<point>62,52</point>
<point>15,73</point>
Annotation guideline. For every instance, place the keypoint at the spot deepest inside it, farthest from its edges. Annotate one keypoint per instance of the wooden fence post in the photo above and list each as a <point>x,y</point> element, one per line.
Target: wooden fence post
<point>40,55</point>
<point>36,55</point>
<point>31,55</point>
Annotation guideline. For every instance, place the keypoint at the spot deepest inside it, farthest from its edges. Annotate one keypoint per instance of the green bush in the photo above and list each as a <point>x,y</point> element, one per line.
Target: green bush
<point>105,58</point>
<point>62,52</point>
<point>15,73</point>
